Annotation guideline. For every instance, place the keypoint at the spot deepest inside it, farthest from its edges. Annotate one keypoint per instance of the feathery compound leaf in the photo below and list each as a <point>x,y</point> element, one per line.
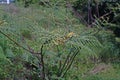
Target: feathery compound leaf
<point>89,45</point>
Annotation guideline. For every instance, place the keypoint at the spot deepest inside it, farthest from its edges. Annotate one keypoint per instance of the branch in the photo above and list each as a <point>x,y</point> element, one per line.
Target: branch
<point>101,17</point>
<point>15,42</point>
<point>29,50</point>
<point>42,62</point>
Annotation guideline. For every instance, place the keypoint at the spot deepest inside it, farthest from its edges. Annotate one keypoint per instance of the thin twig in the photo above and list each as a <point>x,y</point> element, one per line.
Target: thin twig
<point>15,42</point>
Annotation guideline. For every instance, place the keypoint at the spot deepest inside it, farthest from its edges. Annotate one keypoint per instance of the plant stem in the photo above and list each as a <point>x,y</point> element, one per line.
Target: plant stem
<point>70,63</point>
<point>42,66</point>
<point>15,42</point>
<point>66,61</point>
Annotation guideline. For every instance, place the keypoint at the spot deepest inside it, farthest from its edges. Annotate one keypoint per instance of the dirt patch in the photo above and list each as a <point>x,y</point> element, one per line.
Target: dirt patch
<point>102,67</point>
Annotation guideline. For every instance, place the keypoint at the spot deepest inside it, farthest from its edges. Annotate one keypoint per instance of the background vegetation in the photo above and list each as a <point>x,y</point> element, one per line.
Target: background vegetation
<point>60,40</point>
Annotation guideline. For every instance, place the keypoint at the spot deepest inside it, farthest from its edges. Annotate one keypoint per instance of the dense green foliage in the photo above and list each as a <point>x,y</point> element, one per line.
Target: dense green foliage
<point>45,41</point>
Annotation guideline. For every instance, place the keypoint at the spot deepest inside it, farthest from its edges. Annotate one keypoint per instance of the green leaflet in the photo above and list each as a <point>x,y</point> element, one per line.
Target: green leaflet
<point>2,56</point>
<point>9,53</point>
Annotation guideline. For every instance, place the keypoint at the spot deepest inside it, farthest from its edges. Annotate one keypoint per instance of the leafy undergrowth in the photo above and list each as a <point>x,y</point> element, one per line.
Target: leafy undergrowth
<point>62,35</point>
<point>99,71</point>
